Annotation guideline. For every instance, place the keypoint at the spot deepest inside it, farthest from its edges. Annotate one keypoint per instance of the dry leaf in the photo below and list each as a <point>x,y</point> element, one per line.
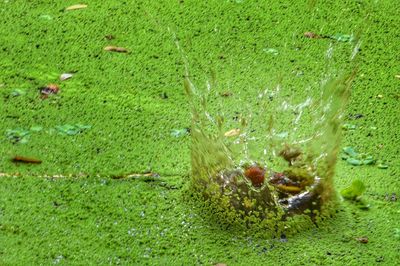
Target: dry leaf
<point>23,159</point>
<point>75,7</point>
<point>232,132</point>
<point>115,49</point>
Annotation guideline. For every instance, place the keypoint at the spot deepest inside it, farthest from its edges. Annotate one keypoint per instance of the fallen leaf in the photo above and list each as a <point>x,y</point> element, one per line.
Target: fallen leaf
<point>23,159</point>
<point>75,7</point>
<point>363,239</point>
<point>311,35</point>
<point>65,76</point>
<point>115,49</point>
<point>232,132</point>
<point>397,76</point>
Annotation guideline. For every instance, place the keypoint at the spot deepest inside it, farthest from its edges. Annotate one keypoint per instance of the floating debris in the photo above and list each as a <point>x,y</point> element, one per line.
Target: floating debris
<point>49,89</point>
<point>76,7</point>
<point>363,239</point>
<point>65,76</point>
<point>24,159</point>
<point>115,49</point>
<point>232,132</point>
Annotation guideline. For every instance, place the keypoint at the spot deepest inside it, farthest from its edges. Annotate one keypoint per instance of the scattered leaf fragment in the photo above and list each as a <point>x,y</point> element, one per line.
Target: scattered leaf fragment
<point>232,132</point>
<point>271,51</point>
<point>180,132</point>
<point>354,191</point>
<point>311,35</point>
<point>46,17</point>
<point>36,128</point>
<point>23,159</point>
<point>75,7</point>
<point>354,161</point>
<point>363,239</point>
<point>225,94</point>
<point>109,37</point>
<point>115,49</point>
<point>49,89</point>
<point>65,76</point>
<point>18,135</point>
<point>342,37</point>
<point>350,151</point>
<point>18,92</point>
<point>348,126</point>
<point>382,165</point>
<point>72,129</point>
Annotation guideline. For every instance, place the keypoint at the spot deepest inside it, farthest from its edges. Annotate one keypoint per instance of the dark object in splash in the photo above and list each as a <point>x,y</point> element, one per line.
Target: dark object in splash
<point>256,175</point>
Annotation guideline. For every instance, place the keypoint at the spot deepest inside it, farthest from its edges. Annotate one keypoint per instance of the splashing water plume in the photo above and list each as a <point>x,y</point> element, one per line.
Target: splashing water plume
<point>278,162</point>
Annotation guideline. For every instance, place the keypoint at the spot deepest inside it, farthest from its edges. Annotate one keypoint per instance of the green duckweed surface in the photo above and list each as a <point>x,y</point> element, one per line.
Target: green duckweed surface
<point>126,113</point>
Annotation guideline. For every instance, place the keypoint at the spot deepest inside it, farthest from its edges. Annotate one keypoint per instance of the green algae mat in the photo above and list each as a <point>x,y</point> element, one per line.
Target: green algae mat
<point>95,127</point>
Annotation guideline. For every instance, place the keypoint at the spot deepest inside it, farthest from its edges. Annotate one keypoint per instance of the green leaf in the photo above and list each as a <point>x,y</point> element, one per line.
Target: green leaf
<point>354,161</point>
<point>354,191</point>
<point>343,37</point>
<point>368,160</point>
<point>382,166</point>
<point>350,151</point>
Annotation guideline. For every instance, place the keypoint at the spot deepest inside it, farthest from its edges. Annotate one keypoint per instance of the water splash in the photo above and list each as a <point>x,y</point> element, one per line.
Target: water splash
<point>279,160</point>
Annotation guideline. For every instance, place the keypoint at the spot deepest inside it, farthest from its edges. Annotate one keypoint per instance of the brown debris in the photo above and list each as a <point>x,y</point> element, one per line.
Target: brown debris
<point>363,239</point>
<point>49,89</point>
<point>311,35</point>
<point>115,49</point>
<point>23,159</point>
